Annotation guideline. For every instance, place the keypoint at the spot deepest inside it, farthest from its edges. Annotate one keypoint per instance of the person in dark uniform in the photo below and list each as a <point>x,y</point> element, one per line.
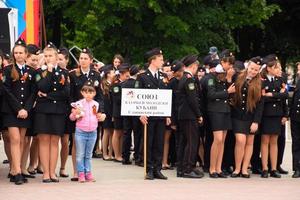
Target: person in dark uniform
<point>63,60</point>
<point>50,110</point>
<point>220,86</point>
<point>82,75</point>
<point>246,113</point>
<point>295,130</point>
<point>117,139</point>
<point>108,77</point>
<point>117,61</point>
<point>152,79</point>
<point>275,95</point>
<point>32,61</point>
<point>20,93</point>
<point>281,138</point>
<point>131,124</point>
<point>189,116</point>
<point>203,85</point>
<point>177,67</point>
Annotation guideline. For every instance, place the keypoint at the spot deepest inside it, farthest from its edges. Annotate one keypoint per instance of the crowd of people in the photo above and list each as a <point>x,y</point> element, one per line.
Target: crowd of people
<point>228,116</point>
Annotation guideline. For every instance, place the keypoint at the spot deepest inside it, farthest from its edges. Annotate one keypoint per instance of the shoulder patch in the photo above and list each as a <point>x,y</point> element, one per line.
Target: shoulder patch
<point>210,82</point>
<point>37,77</point>
<point>191,86</point>
<point>116,89</point>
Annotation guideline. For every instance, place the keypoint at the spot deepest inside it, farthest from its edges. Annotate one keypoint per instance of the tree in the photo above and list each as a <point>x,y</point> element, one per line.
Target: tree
<point>179,27</point>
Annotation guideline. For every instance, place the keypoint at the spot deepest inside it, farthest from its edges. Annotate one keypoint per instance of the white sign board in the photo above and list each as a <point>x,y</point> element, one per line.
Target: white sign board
<point>148,102</point>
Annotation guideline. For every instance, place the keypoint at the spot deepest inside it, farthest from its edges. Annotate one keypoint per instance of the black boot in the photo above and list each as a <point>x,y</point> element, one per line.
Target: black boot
<point>149,175</point>
<point>296,174</point>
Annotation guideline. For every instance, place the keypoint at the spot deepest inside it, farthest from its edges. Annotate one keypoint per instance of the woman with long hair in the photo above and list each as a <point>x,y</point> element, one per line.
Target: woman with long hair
<point>20,92</point>
<point>108,76</point>
<point>246,115</point>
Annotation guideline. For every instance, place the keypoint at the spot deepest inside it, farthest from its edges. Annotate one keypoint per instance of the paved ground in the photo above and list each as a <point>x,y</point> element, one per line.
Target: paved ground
<point>115,181</point>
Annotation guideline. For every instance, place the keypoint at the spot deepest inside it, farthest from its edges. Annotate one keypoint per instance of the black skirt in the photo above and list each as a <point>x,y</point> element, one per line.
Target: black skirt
<point>220,121</point>
<point>10,120</point>
<point>53,124</point>
<point>271,125</point>
<point>108,123</point>
<point>240,126</point>
<point>118,123</point>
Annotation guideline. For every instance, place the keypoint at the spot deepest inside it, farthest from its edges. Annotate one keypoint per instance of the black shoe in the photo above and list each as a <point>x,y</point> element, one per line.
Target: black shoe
<point>282,171</point>
<point>126,162</point>
<point>213,175</point>
<point>5,162</point>
<point>9,175</point>
<point>54,180</point>
<point>32,172</point>
<point>97,155</point>
<point>265,174</point>
<point>74,179</point>
<point>47,180</point>
<point>19,179</point>
<point>12,178</point>
<point>275,174</point>
<point>28,176</point>
<point>296,174</point>
<point>245,175</point>
<point>158,175</point>
<point>198,172</point>
<point>39,171</point>
<point>149,175</point>
<point>192,174</point>
<point>179,174</point>
<point>222,175</point>
<point>256,171</point>
<point>63,175</point>
<point>234,175</point>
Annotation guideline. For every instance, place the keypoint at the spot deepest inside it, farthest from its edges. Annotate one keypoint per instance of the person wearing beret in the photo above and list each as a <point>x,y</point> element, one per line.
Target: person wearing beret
<point>274,114</point>
<point>247,108</point>
<point>123,74</point>
<point>108,77</point>
<point>219,87</point>
<point>189,117</point>
<point>131,124</point>
<point>152,78</point>
<point>19,96</point>
<point>78,77</point>
<point>51,108</point>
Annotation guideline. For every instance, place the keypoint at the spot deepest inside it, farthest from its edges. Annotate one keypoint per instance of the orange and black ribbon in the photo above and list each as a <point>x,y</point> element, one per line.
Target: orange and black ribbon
<point>94,109</point>
<point>24,77</point>
<point>62,80</point>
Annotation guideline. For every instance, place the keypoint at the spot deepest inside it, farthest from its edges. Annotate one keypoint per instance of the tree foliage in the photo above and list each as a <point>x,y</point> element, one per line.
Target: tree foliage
<point>179,27</point>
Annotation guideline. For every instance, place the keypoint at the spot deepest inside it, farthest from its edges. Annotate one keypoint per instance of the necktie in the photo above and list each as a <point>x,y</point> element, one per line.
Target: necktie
<point>23,70</point>
<point>272,79</point>
<point>155,76</point>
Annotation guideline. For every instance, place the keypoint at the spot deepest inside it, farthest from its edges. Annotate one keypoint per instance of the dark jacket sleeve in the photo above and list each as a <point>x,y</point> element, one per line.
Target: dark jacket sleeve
<point>259,111</point>
<point>212,94</point>
<point>33,89</point>
<point>192,97</point>
<point>10,97</point>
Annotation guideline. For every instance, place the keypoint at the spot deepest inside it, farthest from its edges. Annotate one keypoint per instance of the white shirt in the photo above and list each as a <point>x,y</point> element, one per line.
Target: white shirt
<point>270,77</point>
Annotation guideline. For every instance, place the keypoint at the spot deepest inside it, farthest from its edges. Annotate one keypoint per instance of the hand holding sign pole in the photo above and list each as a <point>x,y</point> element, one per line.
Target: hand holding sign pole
<point>146,103</point>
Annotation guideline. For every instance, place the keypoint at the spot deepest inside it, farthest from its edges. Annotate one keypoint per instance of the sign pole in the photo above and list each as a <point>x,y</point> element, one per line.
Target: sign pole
<point>145,150</point>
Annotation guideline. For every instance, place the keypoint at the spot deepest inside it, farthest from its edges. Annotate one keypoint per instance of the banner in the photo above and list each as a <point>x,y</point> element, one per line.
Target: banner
<point>148,102</point>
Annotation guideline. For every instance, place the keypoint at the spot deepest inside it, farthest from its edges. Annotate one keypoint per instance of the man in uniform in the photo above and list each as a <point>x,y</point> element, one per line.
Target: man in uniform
<point>189,117</point>
<point>152,78</point>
